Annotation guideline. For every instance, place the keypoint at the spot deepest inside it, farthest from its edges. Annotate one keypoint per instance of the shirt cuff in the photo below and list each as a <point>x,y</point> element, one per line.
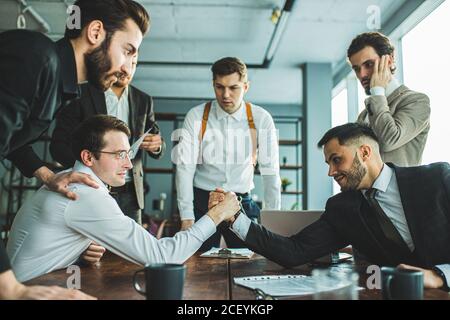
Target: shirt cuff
<point>206,227</point>
<point>377,91</point>
<point>241,226</point>
<point>188,215</point>
<point>445,268</point>
<point>158,151</point>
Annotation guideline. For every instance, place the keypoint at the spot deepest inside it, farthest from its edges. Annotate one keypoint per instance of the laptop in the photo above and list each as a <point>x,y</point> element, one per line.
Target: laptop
<point>288,223</point>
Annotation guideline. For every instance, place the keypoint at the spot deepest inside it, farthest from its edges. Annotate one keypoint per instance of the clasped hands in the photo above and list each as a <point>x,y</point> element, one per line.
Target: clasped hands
<point>220,198</point>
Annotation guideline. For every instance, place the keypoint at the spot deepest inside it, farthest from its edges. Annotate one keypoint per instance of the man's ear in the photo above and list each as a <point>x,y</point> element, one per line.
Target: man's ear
<point>95,33</point>
<point>246,86</point>
<point>392,61</point>
<point>366,152</point>
<point>87,158</point>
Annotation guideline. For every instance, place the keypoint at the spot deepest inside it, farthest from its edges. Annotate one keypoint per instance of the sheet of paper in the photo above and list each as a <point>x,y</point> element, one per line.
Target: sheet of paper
<point>285,285</point>
<point>233,253</point>
<point>135,146</point>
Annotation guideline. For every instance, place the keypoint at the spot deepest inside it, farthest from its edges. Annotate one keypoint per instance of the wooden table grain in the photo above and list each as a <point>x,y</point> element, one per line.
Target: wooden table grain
<point>112,279</point>
<point>259,265</point>
<point>206,279</point>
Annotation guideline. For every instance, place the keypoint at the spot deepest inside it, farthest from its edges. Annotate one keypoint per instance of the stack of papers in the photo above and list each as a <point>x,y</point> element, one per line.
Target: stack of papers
<point>228,253</point>
<point>287,285</point>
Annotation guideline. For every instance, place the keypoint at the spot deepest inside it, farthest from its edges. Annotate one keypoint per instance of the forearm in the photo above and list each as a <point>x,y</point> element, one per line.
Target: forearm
<point>26,160</point>
<point>272,191</point>
<point>10,288</point>
<point>185,195</point>
<point>313,242</point>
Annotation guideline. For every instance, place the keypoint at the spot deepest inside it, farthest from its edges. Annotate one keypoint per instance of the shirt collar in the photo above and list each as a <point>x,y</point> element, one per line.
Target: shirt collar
<point>392,86</point>
<point>220,113</point>
<point>79,167</point>
<point>111,93</point>
<point>69,79</point>
<point>381,183</point>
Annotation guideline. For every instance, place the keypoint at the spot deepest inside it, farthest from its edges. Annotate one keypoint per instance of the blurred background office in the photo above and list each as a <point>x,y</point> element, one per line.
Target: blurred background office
<point>296,54</point>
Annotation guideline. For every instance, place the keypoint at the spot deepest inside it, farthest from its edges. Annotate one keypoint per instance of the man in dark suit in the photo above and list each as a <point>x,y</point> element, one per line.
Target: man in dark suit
<point>393,215</point>
<point>130,105</point>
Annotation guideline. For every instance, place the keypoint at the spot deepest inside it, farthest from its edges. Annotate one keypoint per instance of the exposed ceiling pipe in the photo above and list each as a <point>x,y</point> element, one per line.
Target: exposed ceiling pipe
<point>39,19</point>
<point>270,52</point>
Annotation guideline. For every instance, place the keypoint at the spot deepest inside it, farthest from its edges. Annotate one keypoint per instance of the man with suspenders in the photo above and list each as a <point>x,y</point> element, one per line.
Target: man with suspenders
<point>220,145</point>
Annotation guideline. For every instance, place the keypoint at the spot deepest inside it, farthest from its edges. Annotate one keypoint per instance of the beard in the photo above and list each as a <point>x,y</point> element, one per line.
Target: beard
<point>98,63</point>
<point>354,176</point>
<point>122,82</point>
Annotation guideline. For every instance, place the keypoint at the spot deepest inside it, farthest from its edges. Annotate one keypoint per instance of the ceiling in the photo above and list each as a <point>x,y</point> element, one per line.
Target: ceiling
<point>186,32</point>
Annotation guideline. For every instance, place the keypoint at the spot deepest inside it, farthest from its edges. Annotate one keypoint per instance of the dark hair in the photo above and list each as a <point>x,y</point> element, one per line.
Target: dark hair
<point>88,135</point>
<point>112,13</point>
<point>229,65</point>
<point>347,132</point>
<point>376,40</point>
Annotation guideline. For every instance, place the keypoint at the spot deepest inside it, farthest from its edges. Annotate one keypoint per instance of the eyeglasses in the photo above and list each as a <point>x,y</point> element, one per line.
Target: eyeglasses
<point>120,155</point>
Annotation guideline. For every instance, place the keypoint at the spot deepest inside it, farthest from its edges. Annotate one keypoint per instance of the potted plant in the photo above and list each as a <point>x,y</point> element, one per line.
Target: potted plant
<point>284,183</point>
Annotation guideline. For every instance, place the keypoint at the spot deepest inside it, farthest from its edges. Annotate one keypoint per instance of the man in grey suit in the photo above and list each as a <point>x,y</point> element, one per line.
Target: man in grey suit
<point>399,116</point>
<point>130,105</point>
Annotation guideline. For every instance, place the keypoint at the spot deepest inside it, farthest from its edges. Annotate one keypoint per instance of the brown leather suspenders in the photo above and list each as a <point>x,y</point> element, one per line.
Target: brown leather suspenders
<point>251,125</point>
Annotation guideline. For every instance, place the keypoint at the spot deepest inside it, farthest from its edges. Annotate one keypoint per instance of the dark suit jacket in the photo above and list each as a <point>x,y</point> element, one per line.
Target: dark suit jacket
<point>425,194</point>
<point>92,102</point>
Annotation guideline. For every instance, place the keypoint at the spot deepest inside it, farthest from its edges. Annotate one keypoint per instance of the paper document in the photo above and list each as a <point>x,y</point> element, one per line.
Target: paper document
<point>285,285</point>
<point>135,146</point>
<point>228,253</point>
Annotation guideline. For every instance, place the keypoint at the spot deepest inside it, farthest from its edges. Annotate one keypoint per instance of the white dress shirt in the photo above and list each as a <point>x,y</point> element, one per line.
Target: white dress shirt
<point>119,108</point>
<point>225,159</point>
<point>50,232</point>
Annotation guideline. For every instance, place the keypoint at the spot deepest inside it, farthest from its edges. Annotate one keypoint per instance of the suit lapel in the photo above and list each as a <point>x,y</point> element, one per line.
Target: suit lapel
<point>137,115</point>
<point>98,100</point>
<point>413,206</point>
<point>133,112</point>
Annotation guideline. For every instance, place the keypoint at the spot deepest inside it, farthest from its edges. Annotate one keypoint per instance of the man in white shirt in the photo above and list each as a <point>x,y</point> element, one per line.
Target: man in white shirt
<point>50,232</point>
<point>399,116</point>
<point>221,142</point>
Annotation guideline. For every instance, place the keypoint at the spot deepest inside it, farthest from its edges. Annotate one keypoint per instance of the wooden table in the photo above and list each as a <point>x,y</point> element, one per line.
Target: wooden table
<point>259,265</point>
<point>206,279</point>
<point>112,279</point>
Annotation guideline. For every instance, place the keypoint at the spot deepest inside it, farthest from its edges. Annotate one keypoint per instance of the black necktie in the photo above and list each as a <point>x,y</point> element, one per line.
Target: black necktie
<point>386,225</point>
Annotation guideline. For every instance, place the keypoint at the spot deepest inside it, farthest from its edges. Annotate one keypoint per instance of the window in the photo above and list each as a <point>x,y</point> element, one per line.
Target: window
<point>361,97</point>
<point>339,115</point>
<point>426,66</point>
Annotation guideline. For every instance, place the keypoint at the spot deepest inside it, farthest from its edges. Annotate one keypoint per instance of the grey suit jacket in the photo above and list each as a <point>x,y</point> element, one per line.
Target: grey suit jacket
<point>401,121</point>
<point>92,102</point>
